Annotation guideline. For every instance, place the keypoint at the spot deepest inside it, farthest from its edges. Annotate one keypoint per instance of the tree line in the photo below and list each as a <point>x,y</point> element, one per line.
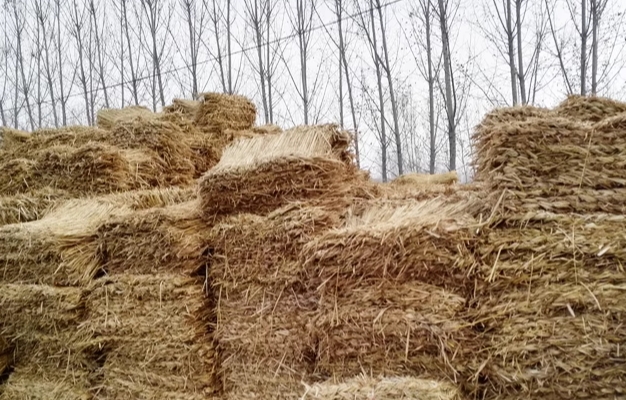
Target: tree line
<point>409,78</point>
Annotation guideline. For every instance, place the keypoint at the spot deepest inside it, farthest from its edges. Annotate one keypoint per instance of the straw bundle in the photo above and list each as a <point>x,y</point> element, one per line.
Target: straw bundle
<point>263,307</point>
<point>426,180</point>
<point>58,249</point>
<point>107,118</point>
<point>154,240</point>
<point>269,129</point>
<point>387,327</point>
<point>12,138</point>
<point>389,388</point>
<point>426,241</point>
<point>263,173</point>
<point>29,206</point>
<point>178,356</point>
<point>186,107</point>
<point>229,111</point>
<point>592,109</point>
<point>150,198</point>
<point>93,168</point>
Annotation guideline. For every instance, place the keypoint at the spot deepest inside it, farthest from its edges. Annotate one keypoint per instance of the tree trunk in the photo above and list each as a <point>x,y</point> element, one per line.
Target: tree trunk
<point>79,44</point>
<point>193,47</point>
<point>383,122</point>
<point>431,91</point>
<point>47,62</point>
<point>520,54</point>
<point>220,61</point>
<point>230,53</point>
<point>346,72</point>
<point>594,47</point>
<point>450,108</point>
<point>392,96</point>
<point>99,54</point>
<point>511,50</point>
<point>268,62</point>
<point>133,73</point>
<point>19,27</point>
<point>255,19</point>
<point>583,48</point>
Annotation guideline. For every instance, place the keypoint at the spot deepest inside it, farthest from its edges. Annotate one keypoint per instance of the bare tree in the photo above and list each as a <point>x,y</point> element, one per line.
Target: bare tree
<point>156,17</point>
<point>195,19</point>
<point>99,52</point>
<point>42,19</point>
<point>302,20</point>
<point>77,20</point>
<point>450,96</point>
<point>59,49</point>
<point>19,26</point>
<point>255,10</point>
<point>131,63</point>
<point>394,106</point>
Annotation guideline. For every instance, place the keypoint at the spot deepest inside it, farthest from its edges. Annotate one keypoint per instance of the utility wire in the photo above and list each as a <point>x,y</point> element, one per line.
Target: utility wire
<point>211,59</point>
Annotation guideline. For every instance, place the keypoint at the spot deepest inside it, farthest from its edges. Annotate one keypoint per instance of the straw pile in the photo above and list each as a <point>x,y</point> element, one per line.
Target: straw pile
<point>28,207</point>
<point>591,109</point>
<point>187,108</point>
<point>550,163</point>
<point>174,360</point>
<point>59,249</point>
<point>263,305</point>
<point>426,180</point>
<point>550,292</point>
<point>108,118</point>
<point>392,286</point>
<point>229,111</point>
<point>154,240</point>
<point>389,388</point>
<point>266,172</point>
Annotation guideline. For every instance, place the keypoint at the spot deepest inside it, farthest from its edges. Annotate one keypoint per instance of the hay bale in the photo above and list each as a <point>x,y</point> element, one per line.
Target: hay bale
<point>93,168</point>
<point>426,241</point>
<point>154,240</point>
<point>589,108</point>
<point>108,118</point>
<point>389,388</point>
<point>28,206</point>
<point>229,111</point>
<point>58,249</point>
<point>186,107</point>
<point>264,173</point>
<point>427,180</point>
<point>156,332</point>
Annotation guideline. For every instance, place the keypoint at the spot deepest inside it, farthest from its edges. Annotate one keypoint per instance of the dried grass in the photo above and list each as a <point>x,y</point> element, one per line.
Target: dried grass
<point>427,180</point>
<point>592,109</point>
<point>156,329</point>
<point>108,118</point>
<point>263,173</point>
<point>155,240</point>
<point>28,207</point>
<point>12,138</point>
<point>428,241</point>
<point>59,249</point>
<point>187,108</point>
<point>390,388</point>
<point>229,111</point>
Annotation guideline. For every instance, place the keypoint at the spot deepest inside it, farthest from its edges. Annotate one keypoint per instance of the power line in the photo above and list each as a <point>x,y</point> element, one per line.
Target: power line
<point>212,59</point>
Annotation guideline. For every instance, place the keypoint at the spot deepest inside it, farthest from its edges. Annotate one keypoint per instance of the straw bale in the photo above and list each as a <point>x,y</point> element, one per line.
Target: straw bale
<point>93,168</point>
<point>426,241</point>
<point>267,379</point>
<point>266,172</point>
<point>426,180</point>
<point>151,198</point>
<point>249,248</point>
<point>154,240</point>
<point>12,138</point>
<point>269,129</point>
<point>385,387</point>
<point>27,310</point>
<point>6,356</point>
<point>108,118</point>
<point>131,306</point>
<point>515,114</point>
<point>25,385</point>
<point>58,249</point>
<point>186,107</point>
<point>387,327</point>
<point>229,111</point>
<point>589,108</point>
<point>28,206</point>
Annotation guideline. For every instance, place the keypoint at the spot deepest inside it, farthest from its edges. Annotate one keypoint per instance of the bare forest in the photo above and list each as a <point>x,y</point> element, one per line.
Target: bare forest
<point>411,78</point>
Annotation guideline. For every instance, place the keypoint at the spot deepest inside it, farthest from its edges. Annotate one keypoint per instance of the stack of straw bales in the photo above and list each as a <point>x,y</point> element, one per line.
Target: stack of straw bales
<point>550,288</point>
<point>263,173</point>
<point>392,287</point>
<point>395,388</point>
